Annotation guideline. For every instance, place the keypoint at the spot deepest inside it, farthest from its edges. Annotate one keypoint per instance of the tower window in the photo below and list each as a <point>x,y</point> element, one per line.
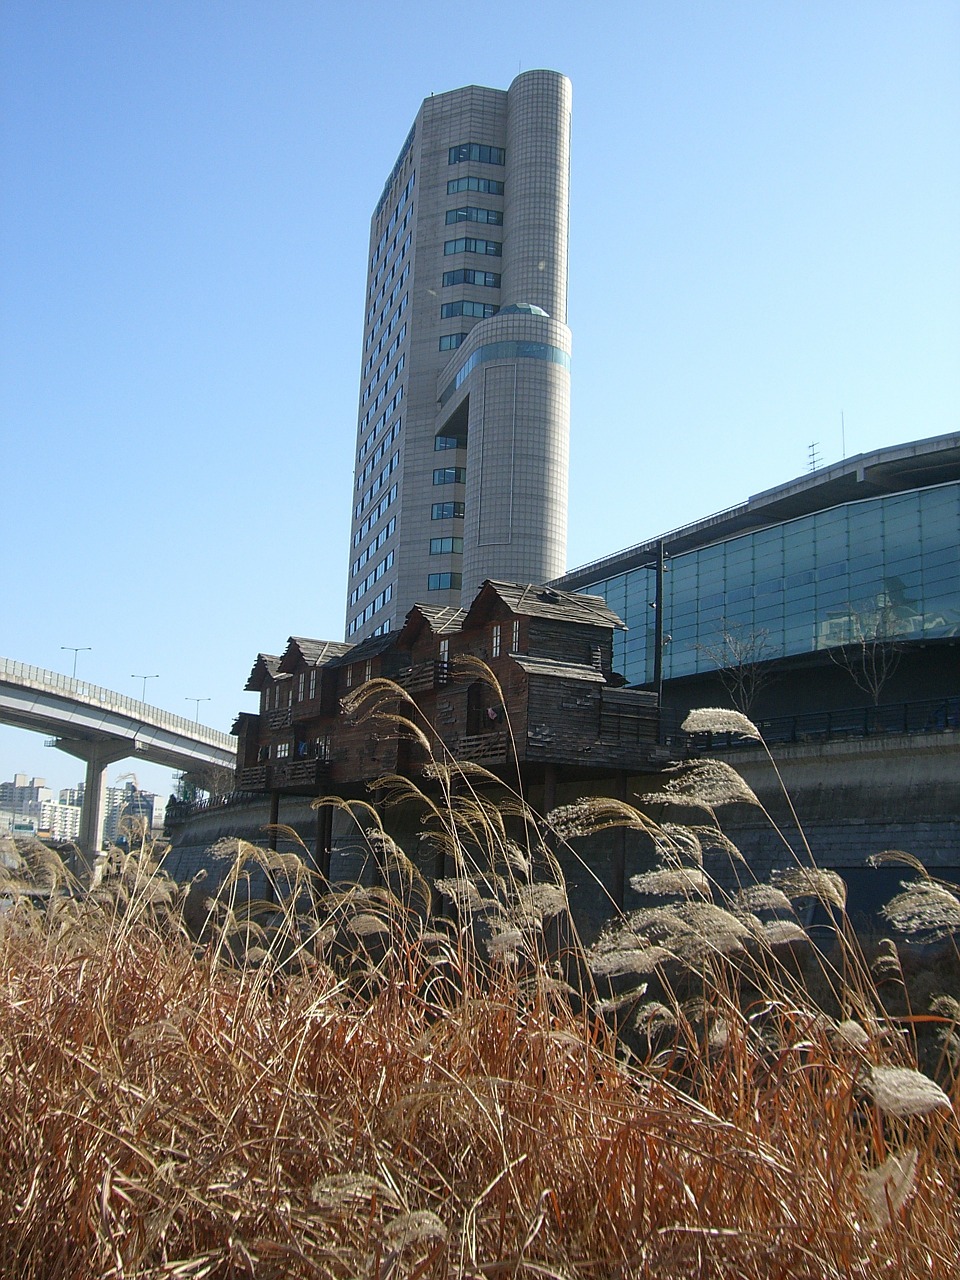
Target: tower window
<point>446,511</point>
<point>444,581</point>
<point>450,341</point>
<point>467,244</point>
<point>450,475</point>
<point>446,546</point>
<point>486,186</point>
<point>478,151</point>
<point>482,310</point>
<point>472,213</point>
<point>486,279</point>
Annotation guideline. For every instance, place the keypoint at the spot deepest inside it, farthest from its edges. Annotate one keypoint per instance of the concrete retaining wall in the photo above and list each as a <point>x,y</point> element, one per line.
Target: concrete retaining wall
<point>854,798</point>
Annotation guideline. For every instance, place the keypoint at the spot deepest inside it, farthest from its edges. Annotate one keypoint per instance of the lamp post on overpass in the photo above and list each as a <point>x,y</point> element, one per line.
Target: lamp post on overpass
<point>143,696</point>
<point>75,649</point>
<point>196,718</point>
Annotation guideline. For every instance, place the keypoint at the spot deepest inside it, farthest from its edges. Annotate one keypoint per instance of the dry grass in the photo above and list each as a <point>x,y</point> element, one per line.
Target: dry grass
<point>349,1084</point>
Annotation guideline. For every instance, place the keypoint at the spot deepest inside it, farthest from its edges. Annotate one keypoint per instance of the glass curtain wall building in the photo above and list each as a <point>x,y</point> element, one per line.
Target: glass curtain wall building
<point>464,414</point>
<point>882,566</point>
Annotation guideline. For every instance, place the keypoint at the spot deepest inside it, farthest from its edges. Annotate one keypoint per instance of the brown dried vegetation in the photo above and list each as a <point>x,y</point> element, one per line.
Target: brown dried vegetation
<point>344,1084</point>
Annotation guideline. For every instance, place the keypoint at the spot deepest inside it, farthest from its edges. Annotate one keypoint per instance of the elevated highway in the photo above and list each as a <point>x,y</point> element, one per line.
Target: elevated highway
<point>101,727</point>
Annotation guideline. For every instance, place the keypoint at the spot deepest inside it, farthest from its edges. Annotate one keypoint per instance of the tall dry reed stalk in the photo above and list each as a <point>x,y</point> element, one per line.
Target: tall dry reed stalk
<point>345,1082</point>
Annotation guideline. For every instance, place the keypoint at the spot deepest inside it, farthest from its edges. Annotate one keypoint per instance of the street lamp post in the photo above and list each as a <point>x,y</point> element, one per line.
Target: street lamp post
<point>196,719</point>
<point>75,649</point>
<point>143,696</point>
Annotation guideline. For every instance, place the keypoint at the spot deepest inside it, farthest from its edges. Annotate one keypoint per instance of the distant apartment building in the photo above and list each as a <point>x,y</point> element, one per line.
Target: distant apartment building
<point>120,805</point>
<point>22,790</point>
<point>137,808</point>
<point>21,802</point>
<point>27,807</point>
<point>60,821</point>
<point>463,425</point>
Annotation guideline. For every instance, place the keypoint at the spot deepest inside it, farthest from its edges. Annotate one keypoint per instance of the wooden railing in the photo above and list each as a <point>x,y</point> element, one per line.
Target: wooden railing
<point>253,778</point>
<point>480,746</point>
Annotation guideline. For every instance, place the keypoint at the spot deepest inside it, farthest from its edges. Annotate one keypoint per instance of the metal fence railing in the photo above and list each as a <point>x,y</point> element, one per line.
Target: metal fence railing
<point>932,715</point>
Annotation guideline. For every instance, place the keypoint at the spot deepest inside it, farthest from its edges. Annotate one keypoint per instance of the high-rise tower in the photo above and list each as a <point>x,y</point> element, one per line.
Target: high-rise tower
<point>462,443</point>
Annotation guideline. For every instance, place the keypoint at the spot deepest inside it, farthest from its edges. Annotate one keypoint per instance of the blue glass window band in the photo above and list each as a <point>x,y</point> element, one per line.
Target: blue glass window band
<point>504,351</point>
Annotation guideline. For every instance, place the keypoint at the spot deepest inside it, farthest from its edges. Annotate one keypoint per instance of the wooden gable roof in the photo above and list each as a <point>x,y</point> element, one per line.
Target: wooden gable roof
<point>441,620</point>
<point>528,600</point>
<point>368,648</point>
<point>313,653</point>
<point>266,668</point>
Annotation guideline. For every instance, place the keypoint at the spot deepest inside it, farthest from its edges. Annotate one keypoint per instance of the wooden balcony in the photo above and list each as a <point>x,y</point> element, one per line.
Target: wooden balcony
<point>423,676</point>
<point>297,774</point>
<point>253,778</point>
<point>287,775</point>
<point>480,747</point>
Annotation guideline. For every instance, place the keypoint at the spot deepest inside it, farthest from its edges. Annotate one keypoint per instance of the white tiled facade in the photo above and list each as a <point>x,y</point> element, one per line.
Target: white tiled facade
<point>464,418</point>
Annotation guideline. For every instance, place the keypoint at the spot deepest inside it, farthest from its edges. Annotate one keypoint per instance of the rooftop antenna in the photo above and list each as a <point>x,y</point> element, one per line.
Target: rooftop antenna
<point>843,435</point>
<point>814,455</point>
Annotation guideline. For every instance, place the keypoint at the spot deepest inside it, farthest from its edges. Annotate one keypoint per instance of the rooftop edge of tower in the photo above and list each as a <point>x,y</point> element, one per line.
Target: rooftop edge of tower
<point>486,88</point>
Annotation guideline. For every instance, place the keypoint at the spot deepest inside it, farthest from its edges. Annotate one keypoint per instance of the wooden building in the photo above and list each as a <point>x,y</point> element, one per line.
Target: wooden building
<point>554,707</point>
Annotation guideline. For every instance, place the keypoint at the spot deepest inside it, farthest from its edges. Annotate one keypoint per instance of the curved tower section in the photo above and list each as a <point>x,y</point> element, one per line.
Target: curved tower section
<point>511,391</point>
<point>537,211</point>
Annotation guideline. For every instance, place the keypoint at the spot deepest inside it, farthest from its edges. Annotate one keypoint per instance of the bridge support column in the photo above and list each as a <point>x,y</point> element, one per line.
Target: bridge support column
<point>97,756</point>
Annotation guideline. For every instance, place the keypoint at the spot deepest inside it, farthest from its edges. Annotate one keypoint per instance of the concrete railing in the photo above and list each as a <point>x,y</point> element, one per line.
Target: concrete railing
<point>26,676</point>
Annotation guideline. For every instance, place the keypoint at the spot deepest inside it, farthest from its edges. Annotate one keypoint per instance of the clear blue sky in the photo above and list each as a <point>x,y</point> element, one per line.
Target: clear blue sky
<point>765,235</point>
